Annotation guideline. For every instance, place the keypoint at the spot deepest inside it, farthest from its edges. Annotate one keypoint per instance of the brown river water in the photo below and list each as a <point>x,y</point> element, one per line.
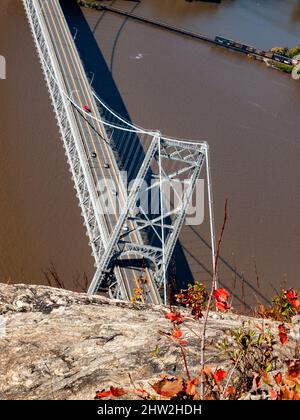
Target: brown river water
<point>185,88</point>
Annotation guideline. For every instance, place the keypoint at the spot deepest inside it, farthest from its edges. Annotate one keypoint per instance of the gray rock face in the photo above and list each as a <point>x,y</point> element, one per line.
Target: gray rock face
<point>57,344</point>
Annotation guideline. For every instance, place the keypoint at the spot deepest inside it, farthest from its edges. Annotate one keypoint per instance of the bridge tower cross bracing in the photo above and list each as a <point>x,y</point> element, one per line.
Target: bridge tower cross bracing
<point>169,217</point>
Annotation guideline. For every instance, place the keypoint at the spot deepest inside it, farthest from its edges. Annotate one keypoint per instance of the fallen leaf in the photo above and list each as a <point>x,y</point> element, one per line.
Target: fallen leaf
<point>117,392</point>
<point>168,387</point>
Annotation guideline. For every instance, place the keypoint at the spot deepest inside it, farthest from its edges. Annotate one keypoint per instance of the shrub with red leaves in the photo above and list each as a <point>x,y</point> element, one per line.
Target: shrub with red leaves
<point>283,308</point>
<point>195,298</point>
<point>251,354</point>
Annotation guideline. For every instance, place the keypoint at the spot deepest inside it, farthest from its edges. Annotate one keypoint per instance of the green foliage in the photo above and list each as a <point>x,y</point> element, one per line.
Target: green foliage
<point>250,352</point>
<point>88,3</point>
<point>294,51</point>
<point>284,306</point>
<point>286,68</point>
<point>280,50</point>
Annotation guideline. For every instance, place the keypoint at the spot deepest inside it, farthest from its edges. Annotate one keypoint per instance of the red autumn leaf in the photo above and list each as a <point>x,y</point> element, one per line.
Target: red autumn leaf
<point>168,387</point>
<point>219,375</point>
<point>221,294</point>
<point>283,338</point>
<point>290,295</point>
<point>175,317</point>
<point>282,334</point>
<point>222,306</point>
<point>117,392</point>
<point>177,333</point>
<point>102,394</point>
<point>278,378</point>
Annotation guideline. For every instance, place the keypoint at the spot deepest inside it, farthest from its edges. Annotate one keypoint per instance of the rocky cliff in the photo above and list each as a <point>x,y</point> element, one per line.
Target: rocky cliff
<point>57,344</point>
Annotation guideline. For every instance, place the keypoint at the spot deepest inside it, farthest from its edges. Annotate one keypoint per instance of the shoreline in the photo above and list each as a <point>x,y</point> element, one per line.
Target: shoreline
<point>283,59</point>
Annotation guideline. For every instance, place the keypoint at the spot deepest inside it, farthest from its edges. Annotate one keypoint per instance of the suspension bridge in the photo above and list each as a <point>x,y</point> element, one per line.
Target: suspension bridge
<point>131,246</point>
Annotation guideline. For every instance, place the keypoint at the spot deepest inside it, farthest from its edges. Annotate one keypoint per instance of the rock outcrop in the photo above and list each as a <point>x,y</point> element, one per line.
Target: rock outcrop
<point>57,344</point>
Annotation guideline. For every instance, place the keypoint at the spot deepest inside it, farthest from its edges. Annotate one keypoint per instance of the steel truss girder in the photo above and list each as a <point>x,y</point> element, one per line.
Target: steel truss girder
<point>81,174</point>
<point>193,156</point>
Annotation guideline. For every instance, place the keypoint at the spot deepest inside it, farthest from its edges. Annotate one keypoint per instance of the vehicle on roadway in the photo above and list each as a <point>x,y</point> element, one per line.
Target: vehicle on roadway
<point>87,108</point>
<point>106,165</point>
<point>94,155</point>
<point>114,191</point>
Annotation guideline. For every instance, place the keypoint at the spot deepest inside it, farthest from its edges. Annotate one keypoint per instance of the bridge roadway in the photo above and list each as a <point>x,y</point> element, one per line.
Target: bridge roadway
<point>92,133</point>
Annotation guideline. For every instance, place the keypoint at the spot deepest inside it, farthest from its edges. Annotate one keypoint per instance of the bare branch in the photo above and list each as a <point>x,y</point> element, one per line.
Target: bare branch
<point>210,299</point>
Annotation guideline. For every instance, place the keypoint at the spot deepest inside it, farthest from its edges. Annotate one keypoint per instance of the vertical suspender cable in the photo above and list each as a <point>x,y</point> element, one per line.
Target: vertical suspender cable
<point>162,220</point>
<point>211,219</point>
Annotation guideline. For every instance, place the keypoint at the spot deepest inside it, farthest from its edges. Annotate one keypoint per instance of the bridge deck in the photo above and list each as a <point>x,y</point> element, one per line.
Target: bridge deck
<point>92,132</point>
